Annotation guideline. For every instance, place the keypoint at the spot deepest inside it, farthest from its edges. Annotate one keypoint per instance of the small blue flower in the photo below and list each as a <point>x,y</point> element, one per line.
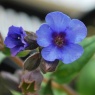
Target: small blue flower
<point>59,37</point>
<point>15,39</point>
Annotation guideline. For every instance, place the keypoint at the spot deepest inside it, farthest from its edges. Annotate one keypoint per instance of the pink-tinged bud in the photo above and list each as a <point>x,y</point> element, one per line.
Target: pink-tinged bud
<point>31,81</point>
<point>47,66</point>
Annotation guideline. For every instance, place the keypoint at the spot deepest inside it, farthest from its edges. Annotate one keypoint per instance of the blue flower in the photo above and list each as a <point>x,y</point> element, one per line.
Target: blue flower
<point>59,37</point>
<point>15,39</point>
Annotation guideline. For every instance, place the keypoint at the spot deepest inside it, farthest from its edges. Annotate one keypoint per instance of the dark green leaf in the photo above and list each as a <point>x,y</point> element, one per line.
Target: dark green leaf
<point>4,90</point>
<point>6,51</point>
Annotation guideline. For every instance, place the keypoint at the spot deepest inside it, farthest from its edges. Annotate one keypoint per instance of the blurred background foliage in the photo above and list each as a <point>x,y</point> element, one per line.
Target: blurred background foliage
<point>77,78</point>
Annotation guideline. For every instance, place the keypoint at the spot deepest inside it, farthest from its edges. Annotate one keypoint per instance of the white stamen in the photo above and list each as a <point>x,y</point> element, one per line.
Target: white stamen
<point>18,37</point>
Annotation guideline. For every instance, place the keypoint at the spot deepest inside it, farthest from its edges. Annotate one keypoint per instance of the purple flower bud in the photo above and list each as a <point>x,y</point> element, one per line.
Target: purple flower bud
<point>15,39</point>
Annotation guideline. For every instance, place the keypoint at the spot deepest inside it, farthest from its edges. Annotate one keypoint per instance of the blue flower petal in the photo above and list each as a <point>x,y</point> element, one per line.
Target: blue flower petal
<point>49,53</point>
<point>16,50</point>
<point>25,44</point>
<point>57,21</point>
<point>16,30</point>
<point>10,42</point>
<point>71,52</point>
<point>67,54</point>
<point>76,31</point>
<point>44,35</point>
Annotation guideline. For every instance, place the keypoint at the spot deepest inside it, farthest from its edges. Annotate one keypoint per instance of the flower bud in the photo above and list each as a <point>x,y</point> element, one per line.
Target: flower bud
<point>15,40</point>
<point>47,66</point>
<point>31,40</point>
<point>31,81</point>
<point>32,62</point>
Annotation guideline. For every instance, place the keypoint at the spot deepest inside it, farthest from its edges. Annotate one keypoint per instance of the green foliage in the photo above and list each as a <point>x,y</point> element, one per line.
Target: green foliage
<point>86,81</point>
<point>2,56</point>
<point>23,53</point>
<point>59,92</point>
<point>87,41</point>
<point>66,72</point>
<point>28,87</point>
<point>4,89</point>
<point>15,92</point>
<point>47,90</point>
<point>6,51</point>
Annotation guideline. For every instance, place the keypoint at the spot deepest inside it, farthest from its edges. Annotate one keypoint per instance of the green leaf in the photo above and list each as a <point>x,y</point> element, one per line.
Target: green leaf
<point>87,41</point>
<point>59,92</point>
<point>2,56</point>
<point>4,89</point>
<point>23,53</point>
<point>6,51</point>
<point>15,92</point>
<point>66,72</point>
<point>47,90</point>
<point>86,81</point>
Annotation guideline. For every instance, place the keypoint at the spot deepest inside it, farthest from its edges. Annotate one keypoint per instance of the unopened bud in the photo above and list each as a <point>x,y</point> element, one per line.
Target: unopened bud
<point>47,66</point>
<point>31,40</point>
<point>32,62</point>
<point>31,81</point>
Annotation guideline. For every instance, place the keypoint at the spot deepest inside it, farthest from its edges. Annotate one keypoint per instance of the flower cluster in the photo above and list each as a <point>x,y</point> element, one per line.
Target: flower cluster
<point>58,37</point>
<point>55,40</point>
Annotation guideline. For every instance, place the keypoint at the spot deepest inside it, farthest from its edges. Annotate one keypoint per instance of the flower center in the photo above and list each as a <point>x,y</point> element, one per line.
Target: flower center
<point>59,39</point>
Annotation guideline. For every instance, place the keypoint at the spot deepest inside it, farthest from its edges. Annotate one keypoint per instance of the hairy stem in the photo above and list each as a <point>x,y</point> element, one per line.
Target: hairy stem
<point>63,87</point>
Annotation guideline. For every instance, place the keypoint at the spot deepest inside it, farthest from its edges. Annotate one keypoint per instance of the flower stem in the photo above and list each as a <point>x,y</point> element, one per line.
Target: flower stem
<point>17,60</point>
<point>63,87</point>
